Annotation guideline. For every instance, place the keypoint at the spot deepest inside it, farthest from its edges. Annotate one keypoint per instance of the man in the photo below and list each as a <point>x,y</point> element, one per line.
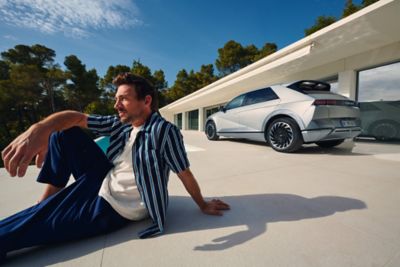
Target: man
<point>129,184</point>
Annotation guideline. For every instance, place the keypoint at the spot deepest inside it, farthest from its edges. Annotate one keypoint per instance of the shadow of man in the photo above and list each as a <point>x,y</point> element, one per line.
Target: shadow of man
<point>254,212</point>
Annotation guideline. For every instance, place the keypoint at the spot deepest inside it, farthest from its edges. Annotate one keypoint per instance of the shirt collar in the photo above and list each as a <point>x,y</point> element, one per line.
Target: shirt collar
<point>149,121</point>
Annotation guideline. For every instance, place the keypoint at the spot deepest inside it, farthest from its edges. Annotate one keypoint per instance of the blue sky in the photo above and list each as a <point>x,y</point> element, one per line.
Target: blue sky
<point>168,35</point>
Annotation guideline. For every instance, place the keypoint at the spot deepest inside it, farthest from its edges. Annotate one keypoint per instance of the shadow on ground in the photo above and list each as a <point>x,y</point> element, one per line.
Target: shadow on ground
<point>252,211</point>
<point>345,149</point>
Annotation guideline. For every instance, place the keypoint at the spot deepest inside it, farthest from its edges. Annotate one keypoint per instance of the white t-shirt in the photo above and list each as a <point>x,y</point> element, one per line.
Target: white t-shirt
<point>119,187</point>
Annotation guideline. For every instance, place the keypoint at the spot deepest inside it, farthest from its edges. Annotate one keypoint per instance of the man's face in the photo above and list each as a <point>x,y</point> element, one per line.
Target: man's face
<point>129,108</point>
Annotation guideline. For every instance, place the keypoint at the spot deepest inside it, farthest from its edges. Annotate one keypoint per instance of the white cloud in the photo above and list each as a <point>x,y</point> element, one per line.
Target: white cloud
<point>10,37</point>
<point>75,18</point>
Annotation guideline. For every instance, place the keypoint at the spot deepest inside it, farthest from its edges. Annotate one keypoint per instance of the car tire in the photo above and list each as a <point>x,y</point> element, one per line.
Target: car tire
<point>384,130</point>
<point>211,131</point>
<point>330,143</point>
<point>284,135</point>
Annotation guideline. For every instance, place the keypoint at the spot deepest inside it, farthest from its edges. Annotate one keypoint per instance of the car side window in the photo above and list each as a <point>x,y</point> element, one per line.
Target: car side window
<point>235,103</point>
<point>258,96</point>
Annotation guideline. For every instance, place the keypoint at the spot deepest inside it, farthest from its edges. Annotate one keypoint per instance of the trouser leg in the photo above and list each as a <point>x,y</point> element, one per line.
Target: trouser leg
<point>75,212</point>
<point>70,151</point>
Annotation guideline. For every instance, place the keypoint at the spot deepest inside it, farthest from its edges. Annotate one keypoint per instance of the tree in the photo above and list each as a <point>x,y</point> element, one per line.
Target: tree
<point>159,80</point>
<point>231,58</point>
<point>82,87</point>
<point>205,76</point>
<point>349,8</point>
<point>321,22</point>
<point>366,3</point>
<point>112,72</point>
<point>38,55</point>
<point>54,79</point>
<point>139,69</point>
<point>4,70</point>
<point>29,81</point>
<point>266,50</point>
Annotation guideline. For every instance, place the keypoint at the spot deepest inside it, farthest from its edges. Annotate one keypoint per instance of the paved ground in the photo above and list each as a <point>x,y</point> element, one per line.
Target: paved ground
<point>317,207</point>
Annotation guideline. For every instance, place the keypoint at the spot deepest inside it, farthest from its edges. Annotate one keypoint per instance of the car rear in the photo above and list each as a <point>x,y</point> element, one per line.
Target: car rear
<point>332,116</point>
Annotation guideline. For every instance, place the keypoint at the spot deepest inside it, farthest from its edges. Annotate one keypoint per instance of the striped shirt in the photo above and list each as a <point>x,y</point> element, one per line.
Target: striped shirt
<point>158,148</point>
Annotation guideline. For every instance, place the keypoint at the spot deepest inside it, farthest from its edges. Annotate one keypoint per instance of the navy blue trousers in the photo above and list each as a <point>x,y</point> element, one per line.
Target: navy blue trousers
<point>74,212</point>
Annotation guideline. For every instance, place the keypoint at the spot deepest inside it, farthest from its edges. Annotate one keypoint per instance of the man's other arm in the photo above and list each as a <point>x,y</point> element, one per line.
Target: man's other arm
<point>34,141</point>
<point>213,207</point>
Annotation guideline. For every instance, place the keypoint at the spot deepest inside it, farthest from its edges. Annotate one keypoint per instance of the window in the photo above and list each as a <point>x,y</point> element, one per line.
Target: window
<point>258,96</point>
<point>178,120</point>
<point>211,111</point>
<point>194,119</point>
<point>381,83</point>
<point>379,98</point>
<point>235,103</point>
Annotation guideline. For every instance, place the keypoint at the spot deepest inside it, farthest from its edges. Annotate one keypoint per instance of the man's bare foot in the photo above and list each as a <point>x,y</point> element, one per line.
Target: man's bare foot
<point>49,191</point>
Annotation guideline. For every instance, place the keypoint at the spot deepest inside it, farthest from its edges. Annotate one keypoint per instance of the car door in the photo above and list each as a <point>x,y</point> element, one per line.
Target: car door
<point>257,106</point>
<point>228,120</point>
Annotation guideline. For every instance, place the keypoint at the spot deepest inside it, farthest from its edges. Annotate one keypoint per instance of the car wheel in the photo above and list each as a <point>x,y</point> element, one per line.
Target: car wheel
<point>384,130</point>
<point>284,135</point>
<point>330,143</point>
<point>211,131</point>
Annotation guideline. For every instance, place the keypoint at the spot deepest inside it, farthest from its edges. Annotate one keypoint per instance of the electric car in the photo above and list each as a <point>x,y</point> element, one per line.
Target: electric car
<point>287,116</point>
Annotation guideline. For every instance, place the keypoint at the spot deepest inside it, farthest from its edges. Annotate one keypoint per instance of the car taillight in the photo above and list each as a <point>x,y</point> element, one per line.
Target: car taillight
<point>333,102</point>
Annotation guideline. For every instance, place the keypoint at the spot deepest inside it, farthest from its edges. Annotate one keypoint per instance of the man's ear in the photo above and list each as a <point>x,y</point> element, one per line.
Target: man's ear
<point>147,100</point>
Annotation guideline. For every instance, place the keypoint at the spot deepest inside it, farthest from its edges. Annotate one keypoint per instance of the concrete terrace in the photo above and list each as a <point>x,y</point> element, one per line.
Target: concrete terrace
<point>317,207</point>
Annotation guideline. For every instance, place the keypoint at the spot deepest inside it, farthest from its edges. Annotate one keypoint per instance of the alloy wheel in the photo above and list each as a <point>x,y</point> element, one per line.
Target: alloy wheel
<point>281,135</point>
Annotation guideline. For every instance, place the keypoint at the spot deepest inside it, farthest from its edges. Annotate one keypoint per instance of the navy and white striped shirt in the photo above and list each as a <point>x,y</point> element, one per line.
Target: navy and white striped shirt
<point>158,148</point>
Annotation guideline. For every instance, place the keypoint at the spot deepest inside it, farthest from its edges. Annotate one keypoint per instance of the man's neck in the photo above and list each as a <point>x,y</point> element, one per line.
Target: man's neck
<point>141,121</point>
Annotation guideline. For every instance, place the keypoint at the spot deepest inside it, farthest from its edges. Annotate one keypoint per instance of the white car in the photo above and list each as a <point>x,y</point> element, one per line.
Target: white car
<point>287,116</point>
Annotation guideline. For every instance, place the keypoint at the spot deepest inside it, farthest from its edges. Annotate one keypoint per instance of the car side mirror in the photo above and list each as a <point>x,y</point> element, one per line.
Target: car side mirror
<point>222,108</point>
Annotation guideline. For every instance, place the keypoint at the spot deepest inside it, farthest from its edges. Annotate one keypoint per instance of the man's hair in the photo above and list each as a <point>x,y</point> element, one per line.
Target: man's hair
<point>141,86</point>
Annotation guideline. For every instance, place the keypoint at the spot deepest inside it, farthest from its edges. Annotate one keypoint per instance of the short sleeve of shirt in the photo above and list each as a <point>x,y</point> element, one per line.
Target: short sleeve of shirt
<point>102,125</point>
<point>174,151</point>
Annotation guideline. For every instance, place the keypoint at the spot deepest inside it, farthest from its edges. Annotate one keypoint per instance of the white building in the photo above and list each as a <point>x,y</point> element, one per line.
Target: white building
<point>359,55</point>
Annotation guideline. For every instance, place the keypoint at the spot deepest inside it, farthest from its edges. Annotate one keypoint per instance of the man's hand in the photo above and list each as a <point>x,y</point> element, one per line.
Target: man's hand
<point>35,141</point>
<point>214,207</point>
<point>20,152</point>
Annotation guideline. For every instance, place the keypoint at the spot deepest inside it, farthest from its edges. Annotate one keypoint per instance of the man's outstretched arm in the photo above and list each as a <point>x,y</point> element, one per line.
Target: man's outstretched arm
<point>213,207</point>
<point>34,141</point>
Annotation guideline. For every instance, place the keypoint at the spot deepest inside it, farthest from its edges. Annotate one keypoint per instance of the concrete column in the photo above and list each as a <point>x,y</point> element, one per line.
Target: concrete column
<point>347,83</point>
<point>201,119</point>
<point>184,121</point>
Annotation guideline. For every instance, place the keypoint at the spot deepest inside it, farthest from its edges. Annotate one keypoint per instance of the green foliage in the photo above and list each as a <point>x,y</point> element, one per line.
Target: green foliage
<point>366,3</point>
<point>187,83</point>
<point>233,56</point>
<point>4,70</point>
<point>321,22</point>
<point>266,50</point>
<point>82,85</point>
<point>349,8</point>
<point>112,72</point>
<point>101,107</point>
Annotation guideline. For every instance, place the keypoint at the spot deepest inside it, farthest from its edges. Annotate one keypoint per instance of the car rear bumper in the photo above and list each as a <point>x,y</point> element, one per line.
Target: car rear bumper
<point>330,134</point>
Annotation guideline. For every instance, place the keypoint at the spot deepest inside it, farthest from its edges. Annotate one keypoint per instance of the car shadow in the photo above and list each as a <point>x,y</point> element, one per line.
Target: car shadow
<point>345,149</point>
<point>254,212</point>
